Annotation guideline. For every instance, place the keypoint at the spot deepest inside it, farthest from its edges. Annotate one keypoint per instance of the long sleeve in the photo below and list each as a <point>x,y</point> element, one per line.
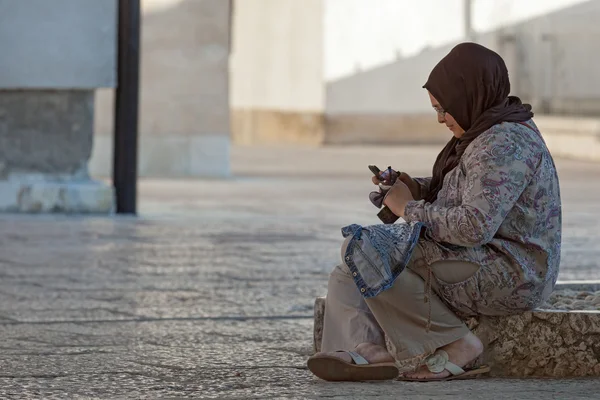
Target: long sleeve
<point>424,184</point>
<point>494,171</point>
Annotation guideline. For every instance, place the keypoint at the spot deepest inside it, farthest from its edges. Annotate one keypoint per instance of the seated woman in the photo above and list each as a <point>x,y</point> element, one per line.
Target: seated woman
<point>482,237</point>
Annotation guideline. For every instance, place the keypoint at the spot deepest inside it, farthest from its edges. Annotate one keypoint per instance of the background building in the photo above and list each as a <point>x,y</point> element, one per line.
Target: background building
<point>346,72</point>
<point>549,53</point>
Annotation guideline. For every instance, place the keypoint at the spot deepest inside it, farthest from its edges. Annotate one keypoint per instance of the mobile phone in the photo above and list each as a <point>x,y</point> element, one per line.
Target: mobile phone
<point>376,171</point>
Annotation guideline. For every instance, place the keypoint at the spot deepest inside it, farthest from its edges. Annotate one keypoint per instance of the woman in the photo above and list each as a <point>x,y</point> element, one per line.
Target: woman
<point>482,237</point>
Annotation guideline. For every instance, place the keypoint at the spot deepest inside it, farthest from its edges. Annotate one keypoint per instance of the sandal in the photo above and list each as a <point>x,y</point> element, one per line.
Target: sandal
<point>331,368</point>
<point>438,362</point>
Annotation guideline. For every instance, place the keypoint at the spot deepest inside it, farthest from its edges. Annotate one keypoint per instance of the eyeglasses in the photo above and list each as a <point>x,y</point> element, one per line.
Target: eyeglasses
<point>440,111</point>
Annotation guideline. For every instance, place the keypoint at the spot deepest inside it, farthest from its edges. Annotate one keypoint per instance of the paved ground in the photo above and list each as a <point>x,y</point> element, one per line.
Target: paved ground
<point>209,294</point>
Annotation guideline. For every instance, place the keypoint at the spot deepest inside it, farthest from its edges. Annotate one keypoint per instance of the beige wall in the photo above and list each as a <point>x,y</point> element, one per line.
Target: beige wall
<point>277,90</point>
<point>551,61</point>
<point>184,100</point>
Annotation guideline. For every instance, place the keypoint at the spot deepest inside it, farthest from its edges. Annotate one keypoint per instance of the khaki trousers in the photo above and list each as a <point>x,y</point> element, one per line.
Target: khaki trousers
<point>401,311</point>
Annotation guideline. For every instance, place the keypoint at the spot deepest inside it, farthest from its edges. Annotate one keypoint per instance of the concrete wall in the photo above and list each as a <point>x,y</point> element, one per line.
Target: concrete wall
<point>361,35</point>
<point>277,91</point>
<point>57,44</point>
<point>554,60</point>
<point>551,61</point>
<point>387,105</point>
<point>184,105</point>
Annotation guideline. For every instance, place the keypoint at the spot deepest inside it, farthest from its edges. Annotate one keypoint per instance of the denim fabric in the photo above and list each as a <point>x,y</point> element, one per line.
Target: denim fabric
<point>377,254</point>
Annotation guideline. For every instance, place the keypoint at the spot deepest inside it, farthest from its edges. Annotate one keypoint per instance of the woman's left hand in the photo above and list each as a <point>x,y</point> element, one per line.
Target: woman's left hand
<point>398,197</point>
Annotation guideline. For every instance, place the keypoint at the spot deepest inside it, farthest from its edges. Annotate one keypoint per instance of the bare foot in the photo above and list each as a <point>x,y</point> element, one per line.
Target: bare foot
<point>461,352</point>
<point>371,352</point>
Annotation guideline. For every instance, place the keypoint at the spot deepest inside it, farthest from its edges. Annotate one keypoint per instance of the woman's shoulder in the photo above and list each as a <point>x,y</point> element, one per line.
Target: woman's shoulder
<point>510,139</point>
<point>524,135</point>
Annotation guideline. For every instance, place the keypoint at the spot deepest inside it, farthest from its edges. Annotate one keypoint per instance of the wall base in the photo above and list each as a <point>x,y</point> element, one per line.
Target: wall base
<point>56,197</point>
<point>258,126</point>
<point>384,129</point>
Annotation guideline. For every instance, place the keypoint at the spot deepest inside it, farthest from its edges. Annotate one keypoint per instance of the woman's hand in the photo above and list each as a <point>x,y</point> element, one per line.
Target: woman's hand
<point>385,177</point>
<point>415,188</point>
<point>398,197</point>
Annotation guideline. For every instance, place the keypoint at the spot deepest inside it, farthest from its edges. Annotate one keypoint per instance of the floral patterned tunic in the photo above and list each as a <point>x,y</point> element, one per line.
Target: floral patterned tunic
<point>499,208</point>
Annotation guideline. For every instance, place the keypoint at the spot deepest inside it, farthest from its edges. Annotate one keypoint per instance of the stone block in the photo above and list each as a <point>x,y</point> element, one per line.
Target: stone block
<point>542,343</point>
<point>45,144</point>
<point>46,132</point>
<point>318,327</point>
<point>56,197</point>
<point>582,286</point>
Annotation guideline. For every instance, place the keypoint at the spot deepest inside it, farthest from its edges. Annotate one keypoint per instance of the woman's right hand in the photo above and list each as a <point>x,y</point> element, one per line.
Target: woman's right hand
<point>415,188</point>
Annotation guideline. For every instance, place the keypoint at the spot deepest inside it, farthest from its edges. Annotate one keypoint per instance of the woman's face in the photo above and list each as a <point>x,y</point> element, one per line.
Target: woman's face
<point>445,118</point>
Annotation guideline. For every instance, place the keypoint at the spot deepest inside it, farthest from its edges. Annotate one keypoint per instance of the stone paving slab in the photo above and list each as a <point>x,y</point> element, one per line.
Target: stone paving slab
<point>210,293</point>
<point>208,359</point>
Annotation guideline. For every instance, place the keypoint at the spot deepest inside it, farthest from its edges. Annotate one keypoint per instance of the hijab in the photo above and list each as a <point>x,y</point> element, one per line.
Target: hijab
<point>471,84</point>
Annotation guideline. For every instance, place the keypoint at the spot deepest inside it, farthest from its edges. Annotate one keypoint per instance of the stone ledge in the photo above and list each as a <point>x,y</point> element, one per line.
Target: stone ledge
<point>582,286</point>
<point>56,197</point>
<point>542,343</point>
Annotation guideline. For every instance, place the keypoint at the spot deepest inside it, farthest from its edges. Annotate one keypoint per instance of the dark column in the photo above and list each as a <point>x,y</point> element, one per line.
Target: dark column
<point>126,107</point>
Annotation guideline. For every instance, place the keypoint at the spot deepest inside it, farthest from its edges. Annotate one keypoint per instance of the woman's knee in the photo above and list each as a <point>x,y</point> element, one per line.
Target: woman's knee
<point>344,248</point>
<point>340,271</point>
<point>342,268</point>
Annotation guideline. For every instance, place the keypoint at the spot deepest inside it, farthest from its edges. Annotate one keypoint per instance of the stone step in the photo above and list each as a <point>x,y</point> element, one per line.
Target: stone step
<point>542,343</point>
<point>580,286</point>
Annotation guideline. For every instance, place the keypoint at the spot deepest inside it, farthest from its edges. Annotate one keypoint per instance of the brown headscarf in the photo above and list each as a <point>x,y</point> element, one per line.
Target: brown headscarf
<point>471,84</point>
